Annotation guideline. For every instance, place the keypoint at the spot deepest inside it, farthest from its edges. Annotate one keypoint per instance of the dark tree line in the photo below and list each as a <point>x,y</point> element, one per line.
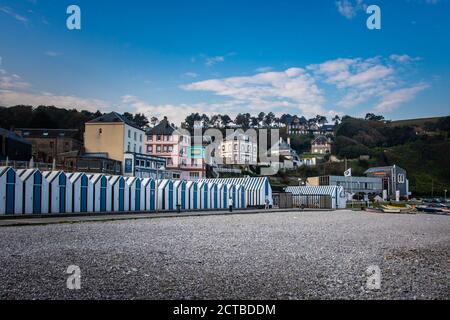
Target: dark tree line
<point>51,117</point>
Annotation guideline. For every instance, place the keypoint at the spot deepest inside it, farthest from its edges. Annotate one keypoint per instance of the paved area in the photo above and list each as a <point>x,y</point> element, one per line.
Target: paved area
<point>283,255</point>
<point>27,220</point>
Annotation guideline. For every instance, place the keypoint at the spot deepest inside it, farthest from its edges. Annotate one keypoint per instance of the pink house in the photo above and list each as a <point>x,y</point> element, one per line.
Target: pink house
<point>164,140</point>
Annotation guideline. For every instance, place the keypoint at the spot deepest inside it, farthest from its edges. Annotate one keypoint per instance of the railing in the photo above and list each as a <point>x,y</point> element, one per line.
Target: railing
<point>312,201</point>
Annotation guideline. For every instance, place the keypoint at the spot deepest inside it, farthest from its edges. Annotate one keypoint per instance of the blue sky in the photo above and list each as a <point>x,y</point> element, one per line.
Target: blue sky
<point>227,56</point>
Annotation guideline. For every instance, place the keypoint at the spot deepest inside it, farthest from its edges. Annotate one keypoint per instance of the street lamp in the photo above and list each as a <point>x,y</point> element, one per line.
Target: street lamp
<point>157,185</point>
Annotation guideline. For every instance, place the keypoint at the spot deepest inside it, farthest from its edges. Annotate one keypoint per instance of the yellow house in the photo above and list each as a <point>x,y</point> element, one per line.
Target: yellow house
<point>114,134</point>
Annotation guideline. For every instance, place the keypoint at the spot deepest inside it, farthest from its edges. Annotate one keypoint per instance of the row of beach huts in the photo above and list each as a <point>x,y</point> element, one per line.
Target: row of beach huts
<point>30,191</point>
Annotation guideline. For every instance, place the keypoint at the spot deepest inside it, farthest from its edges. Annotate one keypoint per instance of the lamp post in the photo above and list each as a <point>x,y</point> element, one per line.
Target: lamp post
<point>157,185</point>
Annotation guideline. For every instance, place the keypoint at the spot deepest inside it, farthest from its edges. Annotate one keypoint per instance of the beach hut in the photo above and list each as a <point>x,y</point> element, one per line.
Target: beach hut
<point>214,196</point>
<point>326,197</point>
<point>181,197</point>
<point>59,192</point>
<point>148,194</point>
<point>240,195</point>
<point>11,198</point>
<point>203,195</point>
<point>166,195</point>
<point>134,186</point>
<point>119,194</point>
<point>232,195</point>
<point>35,191</point>
<point>193,195</point>
<point>82,193</point>
<point>223,195</point>
<point>101,196</point>
<point>258,189</point>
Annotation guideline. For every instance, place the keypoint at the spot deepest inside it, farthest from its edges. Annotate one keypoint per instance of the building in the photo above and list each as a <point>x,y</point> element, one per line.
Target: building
<point>146,166</point>
<point>14,147</point>
<point>394,180</point>
<point>366,185</point>
<point>239,149</point>
<point>297,126</point>
<point>90,163</point>
<point>320,145</point>
<point>175,145</point>
<point>122,140</point>
<point>48,144</point>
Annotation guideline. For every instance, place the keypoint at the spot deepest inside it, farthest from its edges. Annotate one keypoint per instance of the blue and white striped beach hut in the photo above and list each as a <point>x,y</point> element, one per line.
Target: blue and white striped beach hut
<point>214,197</point>
<point>101,196</point>
<point>258,189</point>
<point>204,195</point>
<point>241,197</point>
<point>166,195</point>
<point>135,191</point>
<point>119,194</point>
<point>181,196</point>
<point>194,195</point>
<point>59,192</point>
<point>35,195</point>
<point>82,192</point>
<point>148,194</point>
<point>10,192</point>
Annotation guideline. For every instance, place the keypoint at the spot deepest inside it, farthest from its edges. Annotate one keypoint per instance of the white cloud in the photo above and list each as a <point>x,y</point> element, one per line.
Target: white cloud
<point>292,88</point>
<point>391,100</point>
<point>13,14</point>
<point>210,61</point>
<point>11,98</point>
<point>349,8</point>
<point>403,58</point>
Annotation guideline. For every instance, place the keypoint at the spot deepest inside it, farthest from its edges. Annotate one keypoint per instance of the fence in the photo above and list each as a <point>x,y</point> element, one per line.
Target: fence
<point>282,200</point>
<point>312,201</point>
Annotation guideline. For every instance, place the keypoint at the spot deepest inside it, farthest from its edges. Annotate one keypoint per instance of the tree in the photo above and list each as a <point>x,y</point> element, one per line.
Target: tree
<point>242,120</point>
<point>191,119</point>
<point>154,121</point>
<point>141,120</point>
<point>269,118</point>
<point>321,119</point>
<point>261,116</point>
<point>336,119</point>
<point>225,119</point>
<point>373,117</point>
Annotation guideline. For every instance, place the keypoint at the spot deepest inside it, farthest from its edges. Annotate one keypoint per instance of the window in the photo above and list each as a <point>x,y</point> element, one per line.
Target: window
<point>140,137</point>
<point>150,137</point>
<point>158,149</point>
<point>170,148</point>
<point>194,175</point>
<point>129,147</point>
<point>164,148</point>
<point>134,148</point>
<point>140,149</point>
<point>100,131</point>
<point>149,149</point>
<point>158,138</point>
<point>129,133</point>
<point>135,136</point>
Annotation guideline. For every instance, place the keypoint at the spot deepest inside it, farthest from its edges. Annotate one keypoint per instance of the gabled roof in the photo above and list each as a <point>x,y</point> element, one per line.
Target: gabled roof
<point>320,140</point>
<point>114,117</point>
<point>163,128</point>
